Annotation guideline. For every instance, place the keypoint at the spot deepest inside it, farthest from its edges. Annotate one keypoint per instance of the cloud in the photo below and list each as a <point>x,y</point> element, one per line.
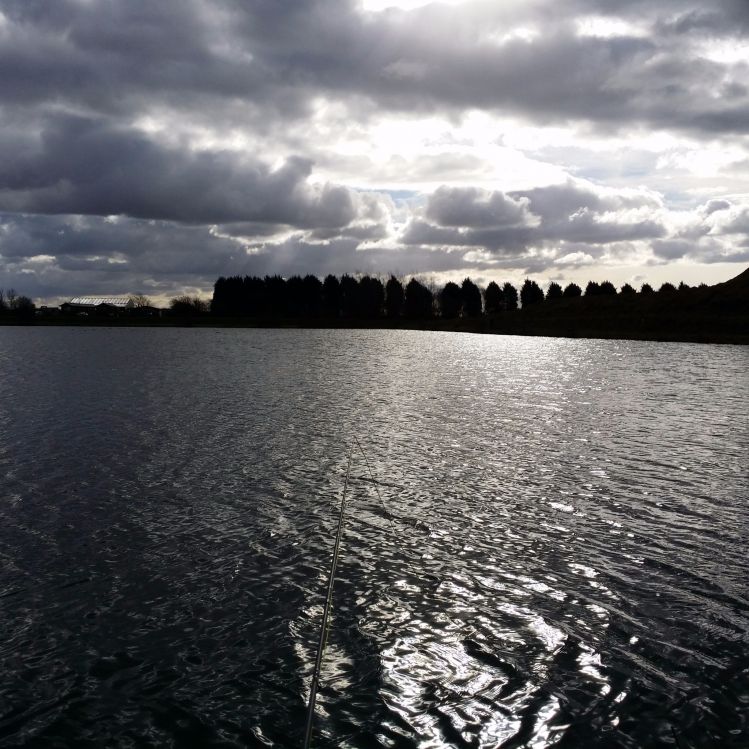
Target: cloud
<point>234,136</point>
<point>114,56</point>
<point>578,213</point>
<point>731,19</point>
<point>508,241</point>
<point>724,217</point>
<point>738,222</point>
<point>54,256</point>
<point>86,166</point>
<point>543,216</point>
<point>716,205</point>
<point>672,249</point>
<point>456,206</point>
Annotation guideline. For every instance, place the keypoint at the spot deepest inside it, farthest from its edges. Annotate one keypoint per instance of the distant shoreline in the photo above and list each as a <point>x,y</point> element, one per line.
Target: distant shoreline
<point>703,314</point>
<point>519,323</point>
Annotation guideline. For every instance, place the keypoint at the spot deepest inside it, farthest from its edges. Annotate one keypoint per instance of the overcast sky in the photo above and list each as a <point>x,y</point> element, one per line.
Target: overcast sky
<point>149,147</point>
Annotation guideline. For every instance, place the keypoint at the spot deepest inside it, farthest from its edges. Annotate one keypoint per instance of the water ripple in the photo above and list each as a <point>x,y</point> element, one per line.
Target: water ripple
<point>561,561</point>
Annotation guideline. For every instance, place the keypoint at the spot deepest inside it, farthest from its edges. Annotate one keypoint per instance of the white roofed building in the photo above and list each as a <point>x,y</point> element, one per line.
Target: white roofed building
<point>105,304</point>
<point>95,301</point>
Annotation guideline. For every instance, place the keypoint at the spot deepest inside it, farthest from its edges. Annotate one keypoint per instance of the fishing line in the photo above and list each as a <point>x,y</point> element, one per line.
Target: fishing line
<point>388,514</point>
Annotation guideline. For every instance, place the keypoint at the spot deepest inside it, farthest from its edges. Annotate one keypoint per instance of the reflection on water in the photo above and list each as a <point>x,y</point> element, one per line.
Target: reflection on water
<point>561,561</point>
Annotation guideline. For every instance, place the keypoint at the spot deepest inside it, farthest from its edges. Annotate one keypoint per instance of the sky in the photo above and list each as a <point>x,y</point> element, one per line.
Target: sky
<point>151,147</point>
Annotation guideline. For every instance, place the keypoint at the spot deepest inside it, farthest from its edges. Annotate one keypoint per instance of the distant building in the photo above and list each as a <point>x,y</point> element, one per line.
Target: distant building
<point>145,311</point>
<point>100,305</point>
<point>47,310</point>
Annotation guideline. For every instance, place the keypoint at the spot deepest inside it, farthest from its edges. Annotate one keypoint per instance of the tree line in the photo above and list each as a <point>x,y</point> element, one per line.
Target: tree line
<point>367,297</point>
<point>15,305</point>
<point>364,297</point>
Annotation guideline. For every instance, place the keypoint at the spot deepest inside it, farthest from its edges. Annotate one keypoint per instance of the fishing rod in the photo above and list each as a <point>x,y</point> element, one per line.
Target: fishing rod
<point>326,611</point>
<point>331,579</point>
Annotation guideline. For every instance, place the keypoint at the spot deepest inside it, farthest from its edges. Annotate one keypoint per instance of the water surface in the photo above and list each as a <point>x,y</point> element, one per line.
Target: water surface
<point>560,561</point>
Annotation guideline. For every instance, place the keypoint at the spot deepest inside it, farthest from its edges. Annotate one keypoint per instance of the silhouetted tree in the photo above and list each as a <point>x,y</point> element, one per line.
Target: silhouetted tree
<point>140,300</point>
<point>492,299</point>
<point>419,300</point>
<point>471,297</point>
<point>667,288</point>
<point>274,298</point>
<point>510,295</point>
<point>627,290</point>
<point>371,297</point>
<point>592,289</point>
<point>394,297</point>
<point>572,291</point>
<point>349,296</point>
<point>254,296</point>
<point>607,289</point>
<point>188,305</point>
<point>450,300</point>
<point>684,286</point>
<point>530,293</point>
<point>219,300</point>
<point>554,291</point>
<point>10,297</point>
<point>646,289</point>
<point>231,296</point>
<point>21,307</point>
<point>331,296</point>
<point>294,296</point>
<point>312,296</point>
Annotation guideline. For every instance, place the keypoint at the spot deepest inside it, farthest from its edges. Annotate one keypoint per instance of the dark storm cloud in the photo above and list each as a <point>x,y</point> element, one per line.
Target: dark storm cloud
<point>85,166</point>
<point>447,57</point>
<point>114,56</point>
<point>105,53</point>
<point>451,57</point>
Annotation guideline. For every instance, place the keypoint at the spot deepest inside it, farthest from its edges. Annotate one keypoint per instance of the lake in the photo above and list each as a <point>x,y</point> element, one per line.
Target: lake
<point>556,557</point>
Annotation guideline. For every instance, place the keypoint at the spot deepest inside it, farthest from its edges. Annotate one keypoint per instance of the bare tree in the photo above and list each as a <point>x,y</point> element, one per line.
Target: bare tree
<point>18,306</point>
<point>188,305</point>
<point>23,307</point>
<point>140,300</point>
